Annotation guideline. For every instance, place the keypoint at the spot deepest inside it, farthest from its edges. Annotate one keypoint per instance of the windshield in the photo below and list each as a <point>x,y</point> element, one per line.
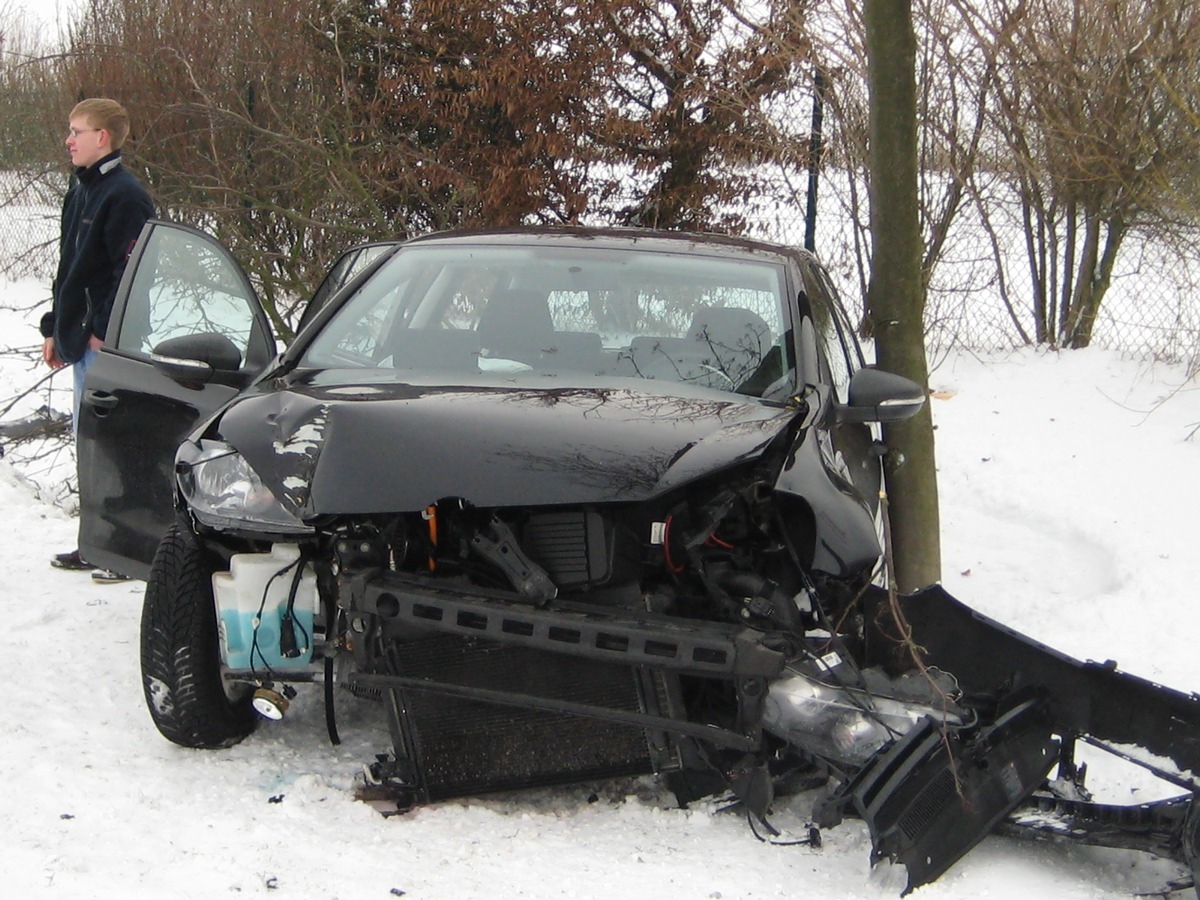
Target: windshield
<point>573,313</point>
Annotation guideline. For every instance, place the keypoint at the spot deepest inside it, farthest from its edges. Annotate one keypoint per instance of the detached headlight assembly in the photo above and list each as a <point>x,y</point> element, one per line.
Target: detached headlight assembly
<point>225,492</point>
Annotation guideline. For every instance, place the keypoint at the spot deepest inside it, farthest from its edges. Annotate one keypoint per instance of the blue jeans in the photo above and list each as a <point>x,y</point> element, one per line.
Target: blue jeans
<point>79,370</point>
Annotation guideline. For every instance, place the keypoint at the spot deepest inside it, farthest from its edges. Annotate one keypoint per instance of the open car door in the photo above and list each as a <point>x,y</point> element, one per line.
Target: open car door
<point>187,334</point>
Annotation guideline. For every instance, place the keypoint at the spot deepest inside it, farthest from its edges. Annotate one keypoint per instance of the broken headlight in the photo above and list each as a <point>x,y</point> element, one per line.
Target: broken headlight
<point>224,491</point>
<point>851,722</point>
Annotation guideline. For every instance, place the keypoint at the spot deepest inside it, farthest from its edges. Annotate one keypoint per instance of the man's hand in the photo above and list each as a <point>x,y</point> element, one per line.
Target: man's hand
<point>50,355</point>
<point>94,343</point>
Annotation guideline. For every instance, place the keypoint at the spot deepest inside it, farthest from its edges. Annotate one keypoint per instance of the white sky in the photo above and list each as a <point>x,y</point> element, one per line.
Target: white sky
<point>48,14</point>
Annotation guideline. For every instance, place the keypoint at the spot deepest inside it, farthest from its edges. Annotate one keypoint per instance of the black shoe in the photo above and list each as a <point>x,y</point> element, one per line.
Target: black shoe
<point>72,561</point>
<point>108,576</point>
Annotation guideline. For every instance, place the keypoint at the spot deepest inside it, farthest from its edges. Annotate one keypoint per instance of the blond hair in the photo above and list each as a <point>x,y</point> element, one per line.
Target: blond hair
<point>107,114</point>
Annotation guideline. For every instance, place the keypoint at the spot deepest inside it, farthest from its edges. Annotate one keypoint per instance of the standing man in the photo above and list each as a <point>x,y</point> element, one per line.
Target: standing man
<point>102,216</point>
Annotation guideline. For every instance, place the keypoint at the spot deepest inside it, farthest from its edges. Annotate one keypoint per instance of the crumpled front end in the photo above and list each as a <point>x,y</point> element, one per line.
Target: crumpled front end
<point>700,609</point>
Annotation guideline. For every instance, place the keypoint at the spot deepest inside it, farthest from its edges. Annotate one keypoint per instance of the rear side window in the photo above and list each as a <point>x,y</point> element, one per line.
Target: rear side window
<point>841,349</point>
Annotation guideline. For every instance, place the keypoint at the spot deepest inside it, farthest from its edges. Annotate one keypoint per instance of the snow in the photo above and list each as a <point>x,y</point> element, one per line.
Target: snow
<point>1067,512</point>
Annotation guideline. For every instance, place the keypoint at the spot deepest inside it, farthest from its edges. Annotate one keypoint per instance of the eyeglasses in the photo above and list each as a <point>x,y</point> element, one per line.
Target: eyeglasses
<point>76,132</point>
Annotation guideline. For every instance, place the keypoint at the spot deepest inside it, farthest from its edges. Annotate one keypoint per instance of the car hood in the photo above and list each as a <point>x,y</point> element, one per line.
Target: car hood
<point>328,448</point>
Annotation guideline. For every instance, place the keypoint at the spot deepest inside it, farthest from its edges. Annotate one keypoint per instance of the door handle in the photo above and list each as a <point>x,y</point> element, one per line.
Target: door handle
<point>101,399</point>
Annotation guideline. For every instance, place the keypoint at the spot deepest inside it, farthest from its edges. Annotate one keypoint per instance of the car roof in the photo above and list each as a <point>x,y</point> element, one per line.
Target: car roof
<point>618,238</point>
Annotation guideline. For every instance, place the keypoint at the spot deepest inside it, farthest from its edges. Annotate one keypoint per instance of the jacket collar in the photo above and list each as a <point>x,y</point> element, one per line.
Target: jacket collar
<point>100,168</point>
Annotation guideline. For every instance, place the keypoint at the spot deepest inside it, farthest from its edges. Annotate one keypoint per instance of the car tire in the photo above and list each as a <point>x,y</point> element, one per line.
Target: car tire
<point>180,658</point>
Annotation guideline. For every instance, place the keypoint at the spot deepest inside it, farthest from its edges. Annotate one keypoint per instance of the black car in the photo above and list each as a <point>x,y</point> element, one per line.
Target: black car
<point>573,504</point>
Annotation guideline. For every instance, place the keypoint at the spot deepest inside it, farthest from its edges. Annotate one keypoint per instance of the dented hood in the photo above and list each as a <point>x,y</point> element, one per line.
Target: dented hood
<point>326,448</point>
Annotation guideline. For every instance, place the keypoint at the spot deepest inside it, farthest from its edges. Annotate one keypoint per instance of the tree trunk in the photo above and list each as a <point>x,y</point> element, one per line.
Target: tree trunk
<point>1035,256</point>
<point>1092,280</point>
<point>896,294</point>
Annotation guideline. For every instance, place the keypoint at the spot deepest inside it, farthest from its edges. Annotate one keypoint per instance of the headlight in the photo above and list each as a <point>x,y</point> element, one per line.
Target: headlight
<point>225,492</point>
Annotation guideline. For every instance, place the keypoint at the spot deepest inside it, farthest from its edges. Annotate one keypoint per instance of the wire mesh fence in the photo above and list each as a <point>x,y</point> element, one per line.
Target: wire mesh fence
<point>28,226</point>
<point>1149,310</point>
<point>980,295</point>
<point>982,290</point>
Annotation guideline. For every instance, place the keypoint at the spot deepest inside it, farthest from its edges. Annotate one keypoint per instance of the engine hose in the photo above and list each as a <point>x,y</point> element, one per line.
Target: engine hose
<point>750,585</point>
<point>330,713</point>
<point>287,633</point>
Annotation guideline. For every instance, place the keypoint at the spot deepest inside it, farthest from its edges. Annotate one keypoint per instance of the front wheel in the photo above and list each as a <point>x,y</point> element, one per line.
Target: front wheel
<point>181,664</point>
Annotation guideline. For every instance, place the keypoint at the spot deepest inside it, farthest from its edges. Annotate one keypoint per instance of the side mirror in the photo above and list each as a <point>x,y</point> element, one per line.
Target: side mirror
<point>194,358</point>
<point>878,396</point>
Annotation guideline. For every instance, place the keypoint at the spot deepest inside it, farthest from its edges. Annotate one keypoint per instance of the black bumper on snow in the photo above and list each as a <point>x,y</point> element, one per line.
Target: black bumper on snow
<point>1091,700</point>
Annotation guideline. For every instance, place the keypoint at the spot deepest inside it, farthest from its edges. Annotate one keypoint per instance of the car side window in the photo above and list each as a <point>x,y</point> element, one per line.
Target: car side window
<point>184,285</point>
<point>341,273</point>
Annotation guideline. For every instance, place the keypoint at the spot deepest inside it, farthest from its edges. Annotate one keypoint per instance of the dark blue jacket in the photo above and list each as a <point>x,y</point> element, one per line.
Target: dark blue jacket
<point>102,216</point>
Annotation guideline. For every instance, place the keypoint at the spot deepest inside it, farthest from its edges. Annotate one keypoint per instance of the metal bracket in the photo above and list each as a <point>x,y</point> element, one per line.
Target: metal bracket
<point>498,545</point>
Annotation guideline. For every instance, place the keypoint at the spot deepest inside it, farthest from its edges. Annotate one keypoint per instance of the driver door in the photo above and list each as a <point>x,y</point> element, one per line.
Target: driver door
<point>179,283</point>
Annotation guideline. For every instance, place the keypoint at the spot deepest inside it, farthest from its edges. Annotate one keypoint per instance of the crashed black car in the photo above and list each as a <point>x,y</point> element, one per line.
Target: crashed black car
<point>576,504</point>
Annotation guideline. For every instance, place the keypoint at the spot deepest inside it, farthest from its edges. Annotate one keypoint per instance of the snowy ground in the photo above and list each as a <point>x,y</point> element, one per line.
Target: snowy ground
<point>1068,511</point>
